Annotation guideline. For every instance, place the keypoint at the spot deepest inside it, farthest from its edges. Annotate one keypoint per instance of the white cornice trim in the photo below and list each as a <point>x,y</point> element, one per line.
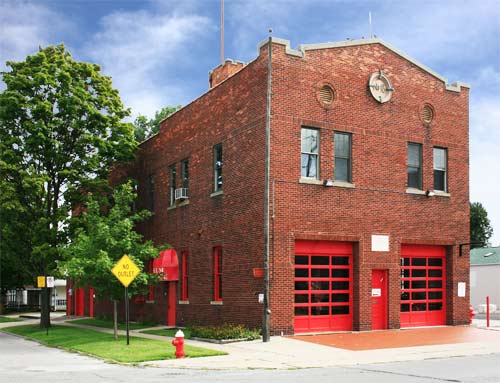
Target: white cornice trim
<point>301,51</point>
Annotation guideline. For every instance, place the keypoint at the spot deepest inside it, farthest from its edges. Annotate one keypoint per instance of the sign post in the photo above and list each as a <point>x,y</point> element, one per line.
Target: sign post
<point>126,271</point>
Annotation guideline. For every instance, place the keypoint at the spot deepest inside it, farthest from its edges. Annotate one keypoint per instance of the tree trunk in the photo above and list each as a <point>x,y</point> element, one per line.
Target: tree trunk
<point>45,309</point>
<point>115,319</point>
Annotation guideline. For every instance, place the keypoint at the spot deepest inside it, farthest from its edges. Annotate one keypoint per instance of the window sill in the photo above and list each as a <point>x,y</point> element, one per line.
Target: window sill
<point>217,193</point>
<point>440,193</point>
<point>415,191</point>
<point>343,184</point>
<point>152,301</point>
<point>171,207</point>
<point>216,303</point>
<point>183,203</point>
<point>183,302</point>
<point>310,181</point>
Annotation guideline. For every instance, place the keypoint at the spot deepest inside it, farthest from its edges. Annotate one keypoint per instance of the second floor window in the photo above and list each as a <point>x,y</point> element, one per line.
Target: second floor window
<point>414,165</point>
<point>440,165</point>
<point>152,192</point>
<point>309,142</point>
<point>217,167</point>
<point>342,170</point>
<point>172,173</point>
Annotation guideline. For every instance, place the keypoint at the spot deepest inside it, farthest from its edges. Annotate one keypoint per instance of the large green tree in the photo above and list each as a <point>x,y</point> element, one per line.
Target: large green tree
<point>146,127</point>
<point>480,227</point>
<point>61,129</point>
<point>105,235</point>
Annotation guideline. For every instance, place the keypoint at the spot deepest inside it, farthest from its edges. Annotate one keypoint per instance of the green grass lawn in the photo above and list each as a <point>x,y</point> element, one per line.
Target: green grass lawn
<point>107,323</point>
<point>169,332</point>
<point>7,319</point>
<point>104,346</point>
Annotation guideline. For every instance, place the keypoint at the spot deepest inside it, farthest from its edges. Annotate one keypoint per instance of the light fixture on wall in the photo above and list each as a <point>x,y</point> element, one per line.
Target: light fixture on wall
<point>328,182</point>
<point>460,245</point>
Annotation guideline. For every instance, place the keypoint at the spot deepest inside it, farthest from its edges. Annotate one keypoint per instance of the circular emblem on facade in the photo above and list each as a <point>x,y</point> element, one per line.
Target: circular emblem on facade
<point>380,87</point>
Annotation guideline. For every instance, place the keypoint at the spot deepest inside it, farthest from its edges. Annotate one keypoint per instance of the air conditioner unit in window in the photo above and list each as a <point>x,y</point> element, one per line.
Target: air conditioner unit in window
<point>181,193</point>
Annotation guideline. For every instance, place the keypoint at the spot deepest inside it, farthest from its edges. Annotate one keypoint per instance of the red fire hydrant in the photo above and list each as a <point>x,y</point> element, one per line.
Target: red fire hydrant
<point>178,342</point>
<point>471,313</point>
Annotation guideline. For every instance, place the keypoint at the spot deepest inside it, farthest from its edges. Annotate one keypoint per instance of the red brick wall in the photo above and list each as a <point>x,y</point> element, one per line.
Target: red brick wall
<point>378,204</point>
<point>234,113</point>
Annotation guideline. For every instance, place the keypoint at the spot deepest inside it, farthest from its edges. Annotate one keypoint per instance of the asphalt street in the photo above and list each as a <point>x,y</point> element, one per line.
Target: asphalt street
<point>26,361</point>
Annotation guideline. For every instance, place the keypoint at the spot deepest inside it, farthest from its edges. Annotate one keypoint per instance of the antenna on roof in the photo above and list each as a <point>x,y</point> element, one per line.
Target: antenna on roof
<point>222,32</point>
<point>370,22</point>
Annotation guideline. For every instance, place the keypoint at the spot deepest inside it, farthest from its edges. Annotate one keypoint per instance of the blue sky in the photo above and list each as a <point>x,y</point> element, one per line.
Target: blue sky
<point>159,52</point>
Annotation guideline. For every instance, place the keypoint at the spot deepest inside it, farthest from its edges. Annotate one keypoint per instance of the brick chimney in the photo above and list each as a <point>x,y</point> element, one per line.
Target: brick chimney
<point>224,71</point>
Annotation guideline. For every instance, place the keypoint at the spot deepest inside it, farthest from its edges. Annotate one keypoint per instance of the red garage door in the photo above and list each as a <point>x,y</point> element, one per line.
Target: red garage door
<point>323,286</point>
<point>423,286</point>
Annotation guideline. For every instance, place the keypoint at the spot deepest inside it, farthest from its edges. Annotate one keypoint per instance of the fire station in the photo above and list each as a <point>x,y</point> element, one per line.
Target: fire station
<point>366,194</point>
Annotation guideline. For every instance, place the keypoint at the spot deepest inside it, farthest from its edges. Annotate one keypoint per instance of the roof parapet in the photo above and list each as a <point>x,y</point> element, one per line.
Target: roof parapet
<point>301,51</point>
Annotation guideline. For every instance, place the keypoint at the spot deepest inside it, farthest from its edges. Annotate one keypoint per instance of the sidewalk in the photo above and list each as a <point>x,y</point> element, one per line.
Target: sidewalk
<point>288,353</point>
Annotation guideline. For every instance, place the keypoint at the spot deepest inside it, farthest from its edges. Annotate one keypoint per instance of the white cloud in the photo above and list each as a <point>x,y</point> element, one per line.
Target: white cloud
<point>24,26</point>
<point>139,48</point>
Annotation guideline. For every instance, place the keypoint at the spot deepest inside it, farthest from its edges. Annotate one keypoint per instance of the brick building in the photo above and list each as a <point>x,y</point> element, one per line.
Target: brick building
<point>369,193</point>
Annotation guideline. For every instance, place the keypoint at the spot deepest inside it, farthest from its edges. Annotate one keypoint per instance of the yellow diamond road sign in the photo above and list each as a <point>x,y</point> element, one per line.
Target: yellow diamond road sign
<point>125,270</point>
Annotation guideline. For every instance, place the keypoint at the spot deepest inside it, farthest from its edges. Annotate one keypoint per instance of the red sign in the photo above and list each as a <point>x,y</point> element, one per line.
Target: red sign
<point>167,264</point>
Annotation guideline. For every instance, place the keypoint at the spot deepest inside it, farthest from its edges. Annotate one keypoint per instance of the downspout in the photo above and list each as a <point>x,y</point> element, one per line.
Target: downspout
<point>267,312</point>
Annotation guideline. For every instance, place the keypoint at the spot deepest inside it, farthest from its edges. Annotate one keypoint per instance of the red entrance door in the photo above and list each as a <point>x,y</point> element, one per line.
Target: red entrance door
<point>379,299</point>
<point>171,304</point>
<point>79,302</point>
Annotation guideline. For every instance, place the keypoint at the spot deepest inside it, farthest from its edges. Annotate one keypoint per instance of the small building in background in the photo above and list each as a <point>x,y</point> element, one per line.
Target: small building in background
<point>485,278</point>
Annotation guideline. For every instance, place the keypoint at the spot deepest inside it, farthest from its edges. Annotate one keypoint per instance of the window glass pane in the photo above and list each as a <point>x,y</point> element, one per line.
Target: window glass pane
<point>320,298</point>
<point>405,307</point>
<point>418,262</point>
<point>301,286</point>
<point>309,140</point>
<point>218,167</point>
<point>321,260</point>
<point>436,306</point>
<point>418,284</point>
<point>405,261</point>
<point>317,285</point>
<point>405,296</point>
<point>405,284</point>
<point>301,311</point>
<point>414,155</point>
<point>435,295</point>
<point>341,170</point>
<point>435,273</point>
<point>320,310</point>
<point>309,165</point>
<point>301,260</point>
<point>340,260</point>
<point>418,296</point>
<point>340,273</point>
<point>414,178</point>
<point>439,180</point>
<point>418,273</point>
<point>405,273</point>
<point>320,273</point>
<point>435,261</point>
<point>418,307</point>
<point>301,273</point>
<point>340,297</point>
<point>340,285</point>
<point>440,158</point>
<point>340,310</point>
<point>342,145</point>
<point>301,298</point>
<point>185,173</point>
<point>435,284</point>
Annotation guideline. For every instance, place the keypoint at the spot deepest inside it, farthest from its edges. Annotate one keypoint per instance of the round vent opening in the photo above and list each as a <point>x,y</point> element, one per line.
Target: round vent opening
<point>326,94</point>
<point>427,114</point>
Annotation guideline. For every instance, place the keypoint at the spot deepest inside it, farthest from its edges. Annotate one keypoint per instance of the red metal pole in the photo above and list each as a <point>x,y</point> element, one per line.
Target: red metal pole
<point>488,311</point>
